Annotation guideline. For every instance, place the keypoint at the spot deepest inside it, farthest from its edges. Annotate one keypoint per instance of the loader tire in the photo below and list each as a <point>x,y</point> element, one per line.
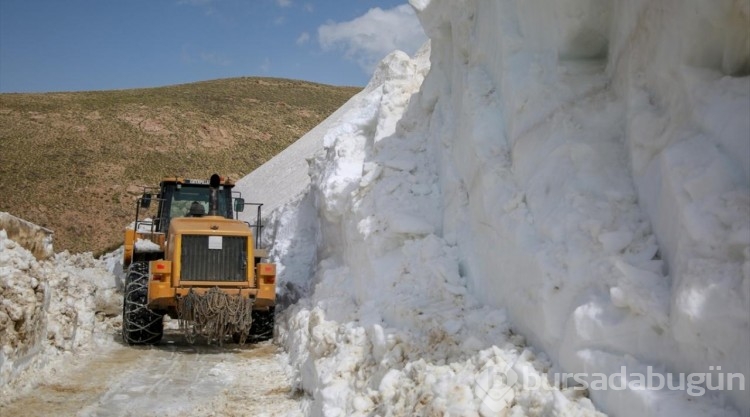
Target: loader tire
<point>263,323</point>
<point>140,325</point>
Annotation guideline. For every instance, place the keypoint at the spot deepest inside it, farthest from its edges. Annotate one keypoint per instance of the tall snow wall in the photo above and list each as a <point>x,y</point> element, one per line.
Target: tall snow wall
<point>576,172</point>
<point>594,168</point>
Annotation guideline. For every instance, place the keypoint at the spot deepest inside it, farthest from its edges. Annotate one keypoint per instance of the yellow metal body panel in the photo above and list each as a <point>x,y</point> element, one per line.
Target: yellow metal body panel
<point>266,284</point>
<point>207,226</point>
<point>163,296</point>
<point>165,284</point>
<point>160,270</point>
<point>129,244</point>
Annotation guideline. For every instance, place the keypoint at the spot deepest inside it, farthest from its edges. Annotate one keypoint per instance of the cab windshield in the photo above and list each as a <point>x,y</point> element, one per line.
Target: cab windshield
<point>184,196</point>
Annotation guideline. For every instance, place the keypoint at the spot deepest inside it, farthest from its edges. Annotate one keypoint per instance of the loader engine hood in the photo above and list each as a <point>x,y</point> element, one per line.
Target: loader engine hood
<point>208,225</point>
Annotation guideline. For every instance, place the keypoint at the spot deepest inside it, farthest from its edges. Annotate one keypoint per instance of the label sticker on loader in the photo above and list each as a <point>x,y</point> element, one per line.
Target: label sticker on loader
<point>215,242</point>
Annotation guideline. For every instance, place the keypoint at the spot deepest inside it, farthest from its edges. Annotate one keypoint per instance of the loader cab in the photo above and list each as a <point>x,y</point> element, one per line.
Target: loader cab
<point>176,196</point>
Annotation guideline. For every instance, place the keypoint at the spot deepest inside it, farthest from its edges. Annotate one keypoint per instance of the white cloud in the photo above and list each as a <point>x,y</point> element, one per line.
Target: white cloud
<point>279,20</point>
<point>303,38</point>
<point>309,7</point>
<point>370,37</point>
<point>284,3</point>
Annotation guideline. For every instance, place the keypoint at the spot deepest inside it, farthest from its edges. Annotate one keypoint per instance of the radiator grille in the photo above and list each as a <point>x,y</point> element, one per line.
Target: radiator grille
<point>226,260</point>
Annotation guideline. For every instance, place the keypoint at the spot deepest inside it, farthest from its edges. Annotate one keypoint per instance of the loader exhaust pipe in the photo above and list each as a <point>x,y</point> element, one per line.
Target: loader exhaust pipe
<point>213,198</point>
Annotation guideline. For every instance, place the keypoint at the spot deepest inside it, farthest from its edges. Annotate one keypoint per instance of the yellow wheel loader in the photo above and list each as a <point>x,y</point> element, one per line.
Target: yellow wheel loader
<point>189,257</point>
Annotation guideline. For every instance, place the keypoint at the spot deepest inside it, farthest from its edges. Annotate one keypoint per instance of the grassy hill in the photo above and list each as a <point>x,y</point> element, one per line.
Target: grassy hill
<point>75,162</point>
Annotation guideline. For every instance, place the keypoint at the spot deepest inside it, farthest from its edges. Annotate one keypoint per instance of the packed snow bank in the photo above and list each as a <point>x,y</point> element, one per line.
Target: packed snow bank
<point>390,327</point>
<point>285,177</point>
<point>49,309</point>
<point>594,167</point>
<point>579,168</point>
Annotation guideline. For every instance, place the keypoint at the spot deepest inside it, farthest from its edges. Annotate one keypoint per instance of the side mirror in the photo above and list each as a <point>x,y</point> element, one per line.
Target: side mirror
<point>146,200</point>
<point>239,205</point>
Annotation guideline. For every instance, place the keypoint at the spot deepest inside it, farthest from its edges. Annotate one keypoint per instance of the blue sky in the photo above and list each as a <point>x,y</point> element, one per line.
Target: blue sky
<point>79,45</point>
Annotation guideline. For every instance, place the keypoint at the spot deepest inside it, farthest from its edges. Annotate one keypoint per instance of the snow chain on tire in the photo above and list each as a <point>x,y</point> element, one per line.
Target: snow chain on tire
<point>214,315</point>
<point>140,325</point>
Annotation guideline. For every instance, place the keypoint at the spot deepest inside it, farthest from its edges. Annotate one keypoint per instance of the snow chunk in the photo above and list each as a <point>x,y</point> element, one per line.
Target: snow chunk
<point>145,245</point>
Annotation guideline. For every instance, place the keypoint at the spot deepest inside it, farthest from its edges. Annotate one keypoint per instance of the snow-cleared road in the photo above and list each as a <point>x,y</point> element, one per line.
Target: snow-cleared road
<point>172,379</point>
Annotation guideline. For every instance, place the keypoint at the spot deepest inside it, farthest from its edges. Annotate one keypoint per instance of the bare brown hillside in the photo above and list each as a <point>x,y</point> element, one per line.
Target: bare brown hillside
<point>75,162</point>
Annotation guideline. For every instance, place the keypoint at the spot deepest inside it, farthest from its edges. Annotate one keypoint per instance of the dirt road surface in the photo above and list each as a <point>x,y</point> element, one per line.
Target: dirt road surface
<point>171,379</point>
